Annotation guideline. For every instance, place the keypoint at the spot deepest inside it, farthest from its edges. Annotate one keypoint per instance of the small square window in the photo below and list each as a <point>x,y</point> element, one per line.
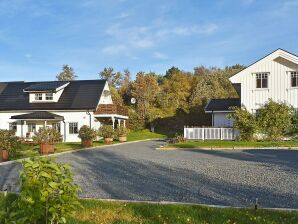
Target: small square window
<point>73,128</point>
<point>294,79</point>
<point>38,96</point>
<point>262,80</point>
<point>49,96</point>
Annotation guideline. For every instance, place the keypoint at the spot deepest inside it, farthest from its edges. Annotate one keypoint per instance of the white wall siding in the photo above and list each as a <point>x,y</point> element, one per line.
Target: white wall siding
<point>81,117</point>
<point>222,120</point>
<point>279,84</point>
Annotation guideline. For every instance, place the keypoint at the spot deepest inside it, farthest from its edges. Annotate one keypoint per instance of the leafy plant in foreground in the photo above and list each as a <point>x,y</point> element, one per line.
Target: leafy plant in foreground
<point>47,194</point>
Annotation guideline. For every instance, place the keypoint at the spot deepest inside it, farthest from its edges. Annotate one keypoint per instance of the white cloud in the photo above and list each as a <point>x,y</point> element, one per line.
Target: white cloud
<point>159,55</point>
<point>28,56</point>
<point>247,2</point>
<point>123,15</point>
<point>287,6</point>
<point>132,39</point>
<point>115,49</point>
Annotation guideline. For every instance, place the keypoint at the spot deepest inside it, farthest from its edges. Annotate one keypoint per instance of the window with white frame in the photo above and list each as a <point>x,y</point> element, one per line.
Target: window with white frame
<point>56,126</point>
<point>262,80</point>
<point>38,96</point>
<point>13,126</point>
<point>49,96</point>
<point>294,79</point>
<point>31,127</point>
<point>73,128</point>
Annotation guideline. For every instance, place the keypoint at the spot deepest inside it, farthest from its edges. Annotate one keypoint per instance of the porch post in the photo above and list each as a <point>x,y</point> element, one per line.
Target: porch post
<point>45,124</point>
<point>113,121</point>
<point>124,123</point>
<point>24,129</point>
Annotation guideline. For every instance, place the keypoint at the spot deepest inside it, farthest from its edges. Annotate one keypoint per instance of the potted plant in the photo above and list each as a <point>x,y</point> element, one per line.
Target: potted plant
<point>87,135</point>
<point>122,133</point>
<point>47,137</point>
<point>107,132</point>
<point>8,144</point>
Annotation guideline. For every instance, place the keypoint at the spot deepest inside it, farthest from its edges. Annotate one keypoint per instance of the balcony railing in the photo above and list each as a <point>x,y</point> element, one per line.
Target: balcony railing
<point>111,109</point>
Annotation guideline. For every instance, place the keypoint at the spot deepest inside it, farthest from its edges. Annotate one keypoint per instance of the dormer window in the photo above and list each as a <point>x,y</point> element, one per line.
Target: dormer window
<point>49,96</point>
<point>294,79</point>
<point>262,80</point>
<point>38,96</point>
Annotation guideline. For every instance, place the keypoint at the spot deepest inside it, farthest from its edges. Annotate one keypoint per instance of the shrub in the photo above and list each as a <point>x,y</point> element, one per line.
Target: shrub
<point>177,139</point>
<point>121,131</point>
<point>245,122</point>
<point>106,131</point>
<point>275,119</point>
<point>87,133</point>
<point>47,136</point>
<point>8,141</point>
<point>293,130</point>
<point>47,193</point>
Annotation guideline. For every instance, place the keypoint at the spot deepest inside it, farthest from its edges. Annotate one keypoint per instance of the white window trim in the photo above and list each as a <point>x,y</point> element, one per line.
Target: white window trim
<point>69,128</point>
<point>38,94</point>
<point>255,81</point>
<point>290,77</point>
<point>52,96</point>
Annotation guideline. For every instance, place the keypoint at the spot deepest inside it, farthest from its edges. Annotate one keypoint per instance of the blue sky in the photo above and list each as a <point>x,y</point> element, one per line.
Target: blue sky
<point>38,37</point>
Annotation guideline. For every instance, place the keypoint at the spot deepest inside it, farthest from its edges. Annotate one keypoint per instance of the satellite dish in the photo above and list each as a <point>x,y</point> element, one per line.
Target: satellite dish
<point>133,100</point>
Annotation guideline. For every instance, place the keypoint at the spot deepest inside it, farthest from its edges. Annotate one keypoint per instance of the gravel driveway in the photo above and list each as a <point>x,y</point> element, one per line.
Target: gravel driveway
<point>138,171</point>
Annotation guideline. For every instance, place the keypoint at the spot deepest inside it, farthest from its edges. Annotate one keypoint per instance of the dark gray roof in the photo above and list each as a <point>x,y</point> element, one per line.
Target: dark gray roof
<point>38,115</point>
<point>222,104</point>
<point>77,95</point>
<point>45,86</point>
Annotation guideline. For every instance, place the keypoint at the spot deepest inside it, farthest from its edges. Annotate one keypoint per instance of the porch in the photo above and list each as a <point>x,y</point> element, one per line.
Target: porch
<point>111,114</point>
<point>26,125</point>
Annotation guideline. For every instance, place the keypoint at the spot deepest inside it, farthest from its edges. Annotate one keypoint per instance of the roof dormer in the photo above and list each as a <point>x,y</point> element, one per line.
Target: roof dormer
<point>45,92</point>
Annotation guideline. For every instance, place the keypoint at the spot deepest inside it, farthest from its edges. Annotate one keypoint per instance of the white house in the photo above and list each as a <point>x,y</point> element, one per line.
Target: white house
<point>64,105</point>
<point>273,77</point>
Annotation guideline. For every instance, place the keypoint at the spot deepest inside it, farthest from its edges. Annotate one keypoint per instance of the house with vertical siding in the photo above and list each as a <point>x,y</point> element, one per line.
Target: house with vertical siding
<point>64,105</point>
<point>275,77</point>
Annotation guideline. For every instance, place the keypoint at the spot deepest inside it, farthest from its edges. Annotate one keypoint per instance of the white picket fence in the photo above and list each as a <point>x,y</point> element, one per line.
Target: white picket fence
<point>196,133</point>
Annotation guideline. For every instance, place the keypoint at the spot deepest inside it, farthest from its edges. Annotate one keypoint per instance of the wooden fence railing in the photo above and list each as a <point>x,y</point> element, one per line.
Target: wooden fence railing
<point>111,109</point>
<point>194,133</point>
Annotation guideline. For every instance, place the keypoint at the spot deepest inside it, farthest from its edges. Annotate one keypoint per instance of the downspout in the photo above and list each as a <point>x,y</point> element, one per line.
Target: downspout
<point>89,118</point>
<point>64,129</point>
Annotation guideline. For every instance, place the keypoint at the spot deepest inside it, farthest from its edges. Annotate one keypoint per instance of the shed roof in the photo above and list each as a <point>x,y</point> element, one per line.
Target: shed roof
<point>222,104</point>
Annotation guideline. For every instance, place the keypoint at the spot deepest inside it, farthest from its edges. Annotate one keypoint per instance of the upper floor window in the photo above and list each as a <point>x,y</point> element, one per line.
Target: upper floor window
<point>262,80</point>
<point>38,96</point>
<point>49,96</point>
<point>294,79</point>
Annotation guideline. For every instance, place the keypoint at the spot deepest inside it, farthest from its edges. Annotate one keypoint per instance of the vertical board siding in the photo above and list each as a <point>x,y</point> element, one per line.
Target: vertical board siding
<point>279,84</point>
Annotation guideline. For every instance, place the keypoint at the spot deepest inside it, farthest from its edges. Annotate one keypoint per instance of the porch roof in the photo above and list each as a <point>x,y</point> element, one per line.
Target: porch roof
<point>38,115</point>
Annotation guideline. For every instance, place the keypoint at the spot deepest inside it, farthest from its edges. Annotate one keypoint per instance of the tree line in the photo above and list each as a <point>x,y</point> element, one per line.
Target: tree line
<point>167,101</point>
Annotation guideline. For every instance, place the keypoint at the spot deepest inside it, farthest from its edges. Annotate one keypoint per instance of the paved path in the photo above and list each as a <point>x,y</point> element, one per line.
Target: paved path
<point>138,171</point>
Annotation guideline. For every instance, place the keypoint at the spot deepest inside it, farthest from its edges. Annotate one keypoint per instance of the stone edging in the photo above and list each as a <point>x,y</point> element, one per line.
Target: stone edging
<point>229,148</point>
<point>78,150</point>
<point>188,203</point>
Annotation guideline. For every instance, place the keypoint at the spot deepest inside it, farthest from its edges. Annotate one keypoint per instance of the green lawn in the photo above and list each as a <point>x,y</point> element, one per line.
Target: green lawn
<point>231,144</point>
<point>94,212</point>
<point>30,150</point>
<point>144,134</point>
